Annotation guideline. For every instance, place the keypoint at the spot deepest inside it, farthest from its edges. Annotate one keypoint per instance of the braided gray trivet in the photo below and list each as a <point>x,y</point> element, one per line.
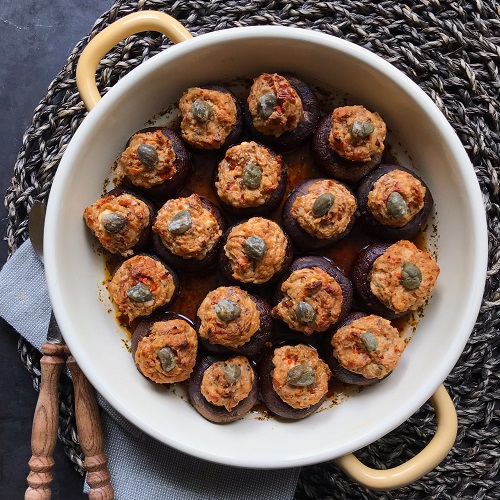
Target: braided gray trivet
<point>451,49</point>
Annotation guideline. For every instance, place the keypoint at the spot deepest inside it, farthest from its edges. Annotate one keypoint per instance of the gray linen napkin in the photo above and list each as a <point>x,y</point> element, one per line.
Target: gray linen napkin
<point>140,466</point>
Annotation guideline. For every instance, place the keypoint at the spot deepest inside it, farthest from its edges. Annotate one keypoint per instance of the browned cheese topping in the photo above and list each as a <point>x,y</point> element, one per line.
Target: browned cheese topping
<point>141,285</point>
<point>294,367</point>
<point>233,321</point>
<point>369,346</point>
<point>159,166</point>
<point>208,117</point>
<point>248,175</point>
<point>168,353</point>
<point>391,209</point>
<point>336,219</point>
<point>274,104</point>
<point>357,134</point>
<point>403,277</point>
<point>248,269</point>
<point>117,221</point>
<point>322,295</point>
<point>226,383</point>
<point>197,232</point>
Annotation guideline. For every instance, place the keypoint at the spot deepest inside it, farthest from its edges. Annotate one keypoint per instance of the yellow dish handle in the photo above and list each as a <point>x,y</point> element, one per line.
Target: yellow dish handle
<point>431,456</point>
<point>103,42</point>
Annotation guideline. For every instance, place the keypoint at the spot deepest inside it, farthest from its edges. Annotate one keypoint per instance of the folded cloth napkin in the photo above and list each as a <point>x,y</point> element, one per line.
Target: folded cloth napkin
<point>140,466</point>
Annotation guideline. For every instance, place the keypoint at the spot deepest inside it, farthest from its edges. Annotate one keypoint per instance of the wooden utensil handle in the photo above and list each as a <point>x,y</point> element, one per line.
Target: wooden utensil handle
<point>45,424</point>
<point>88,424</point>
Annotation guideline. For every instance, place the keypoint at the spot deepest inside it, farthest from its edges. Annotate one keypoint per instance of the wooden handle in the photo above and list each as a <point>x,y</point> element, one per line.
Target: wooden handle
<point>45,424</point>
<point>88,424</point>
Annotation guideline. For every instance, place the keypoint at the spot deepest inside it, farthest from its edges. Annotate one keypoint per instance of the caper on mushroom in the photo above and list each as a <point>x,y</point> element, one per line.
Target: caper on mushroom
<point>113,222</point>
<point>255,247</point>
<point>232,373</point>
<point>369,340</point>
<point>322,204</point>
<point>361,130</point>
<point>167,358</point>
<point>252,176</point>
<point>181,222</point>
<point>202,110</point>
<point>301,375</point>
<point>148,155</point>
<point>139,292</point>
<point>266,104</point>
<point>396,205</point>
<point>411,276</point>
<point>305,312</point>
<point>227,310</point>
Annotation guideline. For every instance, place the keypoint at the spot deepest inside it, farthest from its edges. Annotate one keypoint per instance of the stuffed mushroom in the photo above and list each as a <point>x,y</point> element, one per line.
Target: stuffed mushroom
<point>121,221</point>
<point>348,143</point>
<point>223,389</point>
<point>313,295</point>
<point>155,163</point>
<point>212,118</point>
<point>294,381</point>
<point>229,319</point>
<point>394,279</point>
<point>394,203</point>
<point>281,111</point>
<point>187,232</point>
<point>255,252</point>
<point>318,213</point>
<point>363,349</point>
<point>141,285</point>
<point>165,348</point>
<point>250,180</point>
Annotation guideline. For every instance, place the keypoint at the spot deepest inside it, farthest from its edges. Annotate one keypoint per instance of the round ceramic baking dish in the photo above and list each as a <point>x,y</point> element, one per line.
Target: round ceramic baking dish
<point>75,272</point>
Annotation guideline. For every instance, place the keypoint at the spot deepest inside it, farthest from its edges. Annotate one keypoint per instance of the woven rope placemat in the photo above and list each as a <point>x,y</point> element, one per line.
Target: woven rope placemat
<point>451,49</point>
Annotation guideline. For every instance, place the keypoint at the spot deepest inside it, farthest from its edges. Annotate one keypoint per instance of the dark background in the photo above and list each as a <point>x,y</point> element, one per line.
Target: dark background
<point>36,37</point>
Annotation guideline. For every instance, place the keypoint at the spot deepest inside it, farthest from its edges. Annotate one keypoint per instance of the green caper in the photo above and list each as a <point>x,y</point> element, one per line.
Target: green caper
<point>305,312</point>
<point>411,276</point>
<point>148,155</point>
<point>227,310</point>
<point>396,205</point>
<point>202,110</point>
<point>232,373</point>
<point>361,130</point>
<point>369,340</point>
<point>266,105</point>
<point>322,204</point>
<point>255,247</point>
<point>252,176</point>
<point>167,358</point>
<point>113,222</point>
<point>139,293</point>
<point>301,375</point>
<point>181,222</point>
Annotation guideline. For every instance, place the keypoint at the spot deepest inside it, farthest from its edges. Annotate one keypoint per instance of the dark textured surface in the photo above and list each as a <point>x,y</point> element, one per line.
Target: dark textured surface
<point>36,39</point>
<point>451,50</point>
